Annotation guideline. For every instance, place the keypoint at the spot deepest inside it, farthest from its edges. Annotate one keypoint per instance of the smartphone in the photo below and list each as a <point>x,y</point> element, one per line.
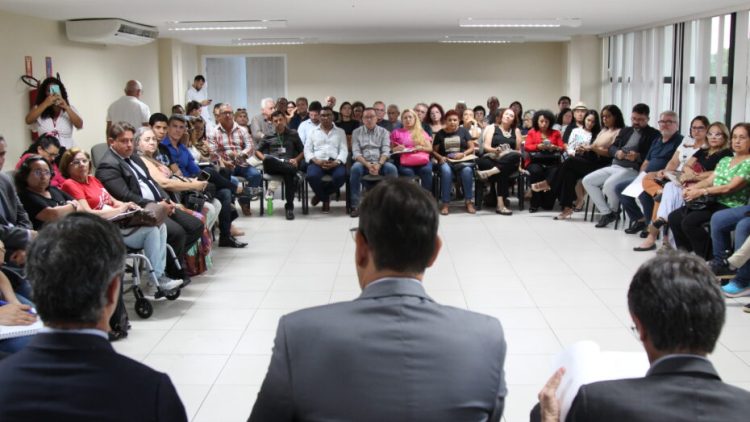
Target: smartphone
<point>204,175</point>
<point>54,89</point>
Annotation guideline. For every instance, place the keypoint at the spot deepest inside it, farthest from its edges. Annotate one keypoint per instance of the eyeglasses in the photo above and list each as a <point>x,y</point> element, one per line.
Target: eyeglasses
<point>52,155</point>
<point>666,122</point>
<point>81,162</point>
<point>41,173</point>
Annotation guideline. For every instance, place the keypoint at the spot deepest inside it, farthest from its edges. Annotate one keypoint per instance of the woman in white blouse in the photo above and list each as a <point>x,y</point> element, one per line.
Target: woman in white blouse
<point>53,114</point>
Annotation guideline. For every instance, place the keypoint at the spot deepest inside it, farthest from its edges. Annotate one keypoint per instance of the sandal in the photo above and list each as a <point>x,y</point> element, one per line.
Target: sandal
<point>503,211</point>
<point>444,210</point>
<point>536,187</point>
<point>565,215</point>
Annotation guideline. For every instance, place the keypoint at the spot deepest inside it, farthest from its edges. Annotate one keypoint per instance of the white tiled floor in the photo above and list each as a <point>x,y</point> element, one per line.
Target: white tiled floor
<point>551,283</point>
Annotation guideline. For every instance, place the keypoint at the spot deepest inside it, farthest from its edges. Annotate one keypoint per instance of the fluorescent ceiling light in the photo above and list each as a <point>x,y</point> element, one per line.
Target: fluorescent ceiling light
<point>269,41</point>
<point>225,25</point>
<point>518,23</point>
<point>480,40</point>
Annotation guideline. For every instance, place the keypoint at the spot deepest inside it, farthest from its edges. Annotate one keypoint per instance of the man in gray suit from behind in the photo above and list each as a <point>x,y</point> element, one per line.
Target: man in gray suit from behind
<point>678,311</point>
<point>393,354</point>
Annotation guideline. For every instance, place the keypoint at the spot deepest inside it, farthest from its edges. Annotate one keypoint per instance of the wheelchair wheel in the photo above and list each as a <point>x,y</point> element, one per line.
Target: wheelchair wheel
<point>143,308</point>
<point>173,295</point>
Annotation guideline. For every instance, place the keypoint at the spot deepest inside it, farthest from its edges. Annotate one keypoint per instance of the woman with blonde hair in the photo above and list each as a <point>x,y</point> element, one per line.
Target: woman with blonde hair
<point>412,147</point>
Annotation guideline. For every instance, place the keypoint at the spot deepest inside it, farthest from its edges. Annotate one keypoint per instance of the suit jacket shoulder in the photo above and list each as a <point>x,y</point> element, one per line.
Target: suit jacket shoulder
<point>64,376</point>
<point>678,388</point>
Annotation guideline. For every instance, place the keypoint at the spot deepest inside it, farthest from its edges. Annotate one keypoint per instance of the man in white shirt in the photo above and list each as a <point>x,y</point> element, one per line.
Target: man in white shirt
<point>129,108</point>
<point>313,112</point>
<point>326,153</point>
<point>196,92</point>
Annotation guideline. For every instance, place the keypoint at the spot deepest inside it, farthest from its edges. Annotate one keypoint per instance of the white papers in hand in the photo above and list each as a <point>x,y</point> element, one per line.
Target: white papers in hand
<point>584,363</point>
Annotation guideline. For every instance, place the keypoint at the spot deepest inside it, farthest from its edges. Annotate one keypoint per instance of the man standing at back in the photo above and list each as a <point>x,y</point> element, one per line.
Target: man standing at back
<point>678,311</point>
<point>393,354</point>
<point>198,92</point>
<point>129,108</point>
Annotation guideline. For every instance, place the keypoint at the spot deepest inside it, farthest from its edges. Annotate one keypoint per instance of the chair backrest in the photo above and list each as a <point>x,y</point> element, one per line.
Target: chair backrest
<point>97,152</point>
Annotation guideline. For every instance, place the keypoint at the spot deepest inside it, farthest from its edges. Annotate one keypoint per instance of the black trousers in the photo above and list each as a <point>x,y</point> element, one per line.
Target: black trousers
<point>182,230</point>
<point>277,167</point>
<point>537,173</point>
<point>688,231</point>
<point>568,174</point>
<point>500,181</point>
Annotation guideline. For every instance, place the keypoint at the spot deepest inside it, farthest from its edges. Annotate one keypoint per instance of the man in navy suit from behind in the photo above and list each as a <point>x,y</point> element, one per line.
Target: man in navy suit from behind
<point>69,371</point>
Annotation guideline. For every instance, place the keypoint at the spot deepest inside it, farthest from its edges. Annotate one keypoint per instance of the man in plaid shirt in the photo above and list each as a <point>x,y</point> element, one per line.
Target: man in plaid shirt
<point>232,145</point>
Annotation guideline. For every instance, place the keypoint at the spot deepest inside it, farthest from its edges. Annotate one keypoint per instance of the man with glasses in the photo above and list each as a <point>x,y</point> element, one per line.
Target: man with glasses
<point>371,148</point>
<point>628,151</point>
<point>326,154</point>
<point>379,108</point>
<point>661,156</point>
<point>393,354</point>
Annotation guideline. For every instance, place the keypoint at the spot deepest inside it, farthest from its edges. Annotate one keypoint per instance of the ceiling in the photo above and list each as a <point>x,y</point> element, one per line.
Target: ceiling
<point>384,21</point>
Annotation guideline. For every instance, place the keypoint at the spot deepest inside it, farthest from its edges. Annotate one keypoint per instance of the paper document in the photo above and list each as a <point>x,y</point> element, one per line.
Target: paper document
<point>584,363</point>
<point>635,187</point>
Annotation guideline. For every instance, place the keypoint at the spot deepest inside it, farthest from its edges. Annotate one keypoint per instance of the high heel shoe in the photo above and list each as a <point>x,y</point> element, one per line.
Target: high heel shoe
<point>565,215</point>
<point>538,187</point>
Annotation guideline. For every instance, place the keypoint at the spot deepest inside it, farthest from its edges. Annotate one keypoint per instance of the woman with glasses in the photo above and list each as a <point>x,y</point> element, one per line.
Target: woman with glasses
<point>93,198</point>
<point>725,188</point>
<point>47,147</point>
<point>41,201</point>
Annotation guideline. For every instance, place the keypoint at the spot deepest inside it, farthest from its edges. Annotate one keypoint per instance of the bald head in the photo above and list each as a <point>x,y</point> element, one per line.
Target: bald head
<point>133,88</point>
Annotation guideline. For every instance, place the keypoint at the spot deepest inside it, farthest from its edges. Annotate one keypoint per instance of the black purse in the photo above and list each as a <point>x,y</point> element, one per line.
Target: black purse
<point>193,200</point>
<point>701,203</point>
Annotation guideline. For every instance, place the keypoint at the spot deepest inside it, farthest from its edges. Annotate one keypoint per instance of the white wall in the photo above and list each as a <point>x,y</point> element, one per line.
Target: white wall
<point>583,70</point>
<point>405,74</point>
<point>94,76</point>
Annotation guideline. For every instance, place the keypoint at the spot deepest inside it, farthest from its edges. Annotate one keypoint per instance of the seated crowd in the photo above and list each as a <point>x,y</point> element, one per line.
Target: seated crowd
<point>186,171</point>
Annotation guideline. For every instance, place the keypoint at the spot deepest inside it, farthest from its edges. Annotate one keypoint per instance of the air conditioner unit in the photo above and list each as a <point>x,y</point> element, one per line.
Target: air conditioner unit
<point>110,31</point>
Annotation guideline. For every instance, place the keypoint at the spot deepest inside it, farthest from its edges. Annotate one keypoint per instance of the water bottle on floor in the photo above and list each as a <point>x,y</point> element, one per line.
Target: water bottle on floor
<point>269,205</point>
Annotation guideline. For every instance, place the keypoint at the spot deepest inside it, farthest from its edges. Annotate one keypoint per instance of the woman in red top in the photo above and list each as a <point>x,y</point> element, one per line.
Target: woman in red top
<point>93,198</point>
<point>544,147</point>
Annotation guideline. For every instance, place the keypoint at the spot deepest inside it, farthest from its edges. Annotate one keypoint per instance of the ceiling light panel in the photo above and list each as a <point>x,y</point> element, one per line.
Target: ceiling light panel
<point>518,23</point>
<point>270,41</point>
<point>247,25</point>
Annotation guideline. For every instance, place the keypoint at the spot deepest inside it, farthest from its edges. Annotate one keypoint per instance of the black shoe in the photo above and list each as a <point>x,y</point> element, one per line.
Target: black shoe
<point>354,213</point>
<point>290,214</point>
<point>315,200</point>
<point>606,219</point>
<point>721,268</point>
<point>230,242</point>
<point>636,227</point>
<point>185,281</point>
<point>640,249</point>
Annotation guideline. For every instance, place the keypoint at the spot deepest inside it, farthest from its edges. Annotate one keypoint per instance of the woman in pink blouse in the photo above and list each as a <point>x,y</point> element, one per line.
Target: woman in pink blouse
<point>412,146</point>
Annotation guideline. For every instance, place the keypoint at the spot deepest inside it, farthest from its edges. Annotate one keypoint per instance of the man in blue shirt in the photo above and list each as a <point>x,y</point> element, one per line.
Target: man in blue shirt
<point>661,151</point>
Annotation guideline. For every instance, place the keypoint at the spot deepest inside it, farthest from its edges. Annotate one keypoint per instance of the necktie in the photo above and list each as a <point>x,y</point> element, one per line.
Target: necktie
<point>144,179</point>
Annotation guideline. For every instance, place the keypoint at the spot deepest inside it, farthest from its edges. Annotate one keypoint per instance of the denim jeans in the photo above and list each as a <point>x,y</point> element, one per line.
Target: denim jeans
<point>12,345</point>
<point>722,224</point>
<point>153,241</point>
<point>324,190</point>
<point>358,170</point>
<point>424,172</point>
<point>250,173</point>
<point>466,175</point>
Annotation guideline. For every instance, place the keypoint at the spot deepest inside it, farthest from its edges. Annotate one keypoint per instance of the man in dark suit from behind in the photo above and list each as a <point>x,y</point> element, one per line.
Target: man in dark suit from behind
<point>393,354</point>
<point>678,311</point>
<point>69,371</point>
